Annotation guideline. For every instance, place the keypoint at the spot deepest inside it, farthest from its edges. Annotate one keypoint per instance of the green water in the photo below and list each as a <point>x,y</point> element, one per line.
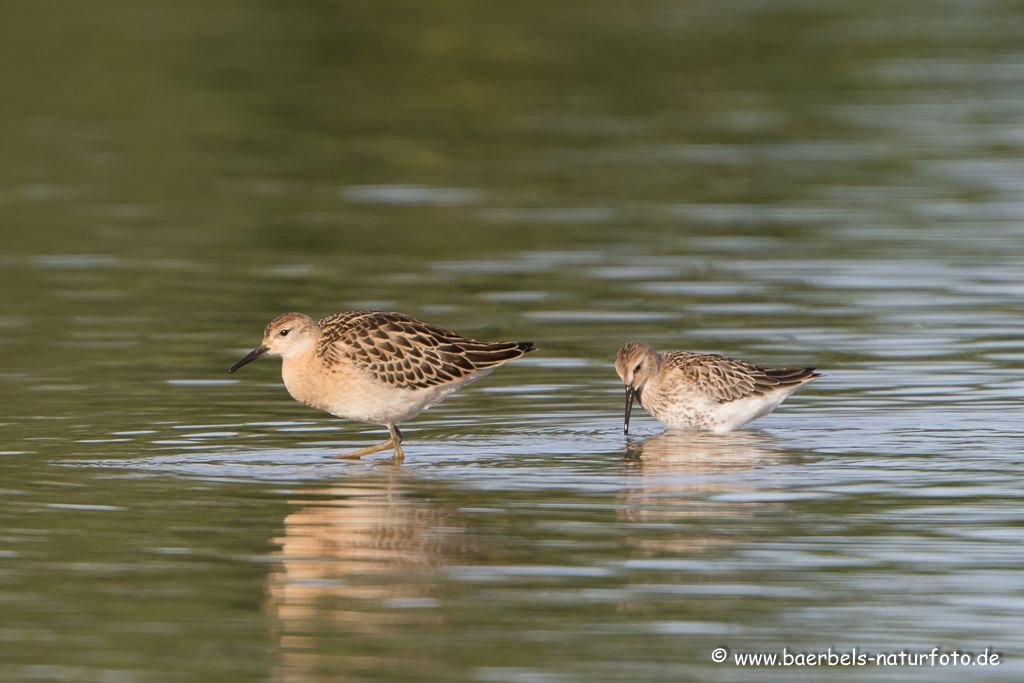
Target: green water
<point>834,184</point>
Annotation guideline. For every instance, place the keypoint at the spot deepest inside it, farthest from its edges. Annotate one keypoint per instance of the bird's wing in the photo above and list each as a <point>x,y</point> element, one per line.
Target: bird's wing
<point>727,379</point>
<point>408,353</point>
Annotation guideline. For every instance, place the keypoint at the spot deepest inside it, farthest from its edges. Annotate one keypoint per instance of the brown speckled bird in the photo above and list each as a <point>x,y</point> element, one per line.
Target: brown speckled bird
<point>685,390</point>
<point>374,366</point>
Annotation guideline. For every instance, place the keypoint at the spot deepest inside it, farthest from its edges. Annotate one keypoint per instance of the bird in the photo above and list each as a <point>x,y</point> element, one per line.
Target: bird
<point>376,366</point>
<point>703,391</point>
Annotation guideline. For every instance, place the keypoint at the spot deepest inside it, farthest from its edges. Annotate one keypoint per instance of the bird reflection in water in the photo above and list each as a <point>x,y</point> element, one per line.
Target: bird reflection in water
<point>690,479</point>
<point>701,451</point>
<point>358,564</point>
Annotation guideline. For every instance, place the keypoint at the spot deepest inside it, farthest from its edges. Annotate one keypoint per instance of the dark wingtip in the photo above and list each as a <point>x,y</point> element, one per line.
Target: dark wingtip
<point>526,347</point>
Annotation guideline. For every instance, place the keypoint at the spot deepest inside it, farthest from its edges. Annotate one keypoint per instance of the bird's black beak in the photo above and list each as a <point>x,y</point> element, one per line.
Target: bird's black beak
<point>253,355</point>
<point>630,395</point>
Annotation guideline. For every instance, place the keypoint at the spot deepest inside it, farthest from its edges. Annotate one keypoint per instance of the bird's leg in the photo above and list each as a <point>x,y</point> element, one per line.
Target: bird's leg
<point>367,451</point>
<point>396,440</point>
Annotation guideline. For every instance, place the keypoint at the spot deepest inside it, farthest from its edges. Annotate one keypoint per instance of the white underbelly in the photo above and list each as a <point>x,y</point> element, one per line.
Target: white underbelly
<point>707,414</point>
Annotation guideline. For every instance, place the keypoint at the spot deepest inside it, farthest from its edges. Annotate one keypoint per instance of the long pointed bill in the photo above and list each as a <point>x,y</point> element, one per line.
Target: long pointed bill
<point>630,395</point>
<point>253,355</point>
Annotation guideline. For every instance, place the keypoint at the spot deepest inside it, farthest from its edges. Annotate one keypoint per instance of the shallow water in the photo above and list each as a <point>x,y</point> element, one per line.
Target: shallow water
<point>833,185</point>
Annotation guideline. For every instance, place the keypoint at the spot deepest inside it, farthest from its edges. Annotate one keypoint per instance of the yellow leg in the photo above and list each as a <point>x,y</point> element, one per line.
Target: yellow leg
<point>396,439</point>
<point>366,451</point>
<point>394,442</point>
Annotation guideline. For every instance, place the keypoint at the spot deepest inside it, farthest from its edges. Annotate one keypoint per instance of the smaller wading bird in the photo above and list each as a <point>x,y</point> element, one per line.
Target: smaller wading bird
<point>374,366</point>
<point>687,390</point>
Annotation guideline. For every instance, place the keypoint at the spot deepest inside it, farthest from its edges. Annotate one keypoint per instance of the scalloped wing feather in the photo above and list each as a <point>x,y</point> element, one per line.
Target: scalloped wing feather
<point>408,353</point>
<point>725,379</point>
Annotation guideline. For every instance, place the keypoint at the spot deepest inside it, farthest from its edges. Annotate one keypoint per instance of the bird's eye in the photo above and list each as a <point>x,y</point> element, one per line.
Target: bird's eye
<point>284,333</point>
<point>637,368</point>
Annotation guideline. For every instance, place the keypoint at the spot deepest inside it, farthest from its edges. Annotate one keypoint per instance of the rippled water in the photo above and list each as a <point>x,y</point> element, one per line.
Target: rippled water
<point>832,184</point>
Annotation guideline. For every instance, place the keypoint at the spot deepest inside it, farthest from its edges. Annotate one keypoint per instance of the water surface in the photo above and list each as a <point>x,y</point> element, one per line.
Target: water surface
<point>828,184</point>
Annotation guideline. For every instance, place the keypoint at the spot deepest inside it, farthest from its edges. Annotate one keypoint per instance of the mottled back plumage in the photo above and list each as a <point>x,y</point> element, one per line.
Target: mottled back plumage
<point>408,353</point>
<point>727,379</point>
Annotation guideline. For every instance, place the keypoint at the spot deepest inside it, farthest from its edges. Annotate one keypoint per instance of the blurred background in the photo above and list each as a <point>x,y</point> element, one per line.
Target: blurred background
<point>829,183</point>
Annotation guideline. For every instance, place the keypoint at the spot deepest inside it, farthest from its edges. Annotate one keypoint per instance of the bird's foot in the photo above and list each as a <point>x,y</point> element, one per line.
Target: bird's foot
<point>368,450</point>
